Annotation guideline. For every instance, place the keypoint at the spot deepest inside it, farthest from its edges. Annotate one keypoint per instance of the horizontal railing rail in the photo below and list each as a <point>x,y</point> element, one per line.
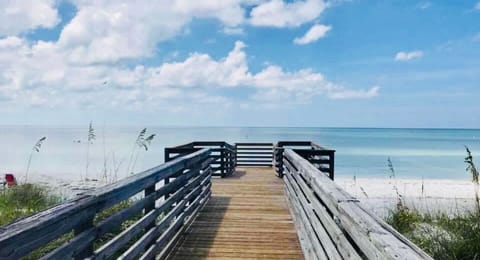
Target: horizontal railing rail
<point>254,154</point>
<point>223,153</point>
<point>322,158</point>
<point>331,224</point>
<point>154,207</point>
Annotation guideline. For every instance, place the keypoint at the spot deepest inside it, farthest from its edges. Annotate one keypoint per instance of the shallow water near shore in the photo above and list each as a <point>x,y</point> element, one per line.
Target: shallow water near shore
<point>363,152</point>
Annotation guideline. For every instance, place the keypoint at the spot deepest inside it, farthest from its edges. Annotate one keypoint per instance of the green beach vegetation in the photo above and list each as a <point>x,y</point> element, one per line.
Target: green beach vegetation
<point>441,235</point>
<point>27,198</point>
<point>23,200</point>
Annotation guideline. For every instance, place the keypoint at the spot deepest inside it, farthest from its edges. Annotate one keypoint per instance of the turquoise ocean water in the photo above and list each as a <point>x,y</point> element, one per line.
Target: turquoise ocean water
<point>416,153</point>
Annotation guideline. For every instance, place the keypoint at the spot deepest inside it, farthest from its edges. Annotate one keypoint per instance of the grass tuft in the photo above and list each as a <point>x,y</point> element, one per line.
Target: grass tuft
<point>443,236</point>
<point>24,200</point>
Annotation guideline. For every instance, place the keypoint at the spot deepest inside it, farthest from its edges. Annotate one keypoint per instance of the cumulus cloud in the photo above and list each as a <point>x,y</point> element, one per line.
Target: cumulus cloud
<point>86,64</point>
<point>278,13</point>
<point>25,79</point>
<point>200,70</point>
<point>316,32</point>
<point>19,16</point>
<point>104,31</point>
<point>406,56</point>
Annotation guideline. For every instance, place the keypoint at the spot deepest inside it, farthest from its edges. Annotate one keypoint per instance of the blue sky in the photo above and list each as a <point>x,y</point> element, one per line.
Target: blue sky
<point>241,63</point>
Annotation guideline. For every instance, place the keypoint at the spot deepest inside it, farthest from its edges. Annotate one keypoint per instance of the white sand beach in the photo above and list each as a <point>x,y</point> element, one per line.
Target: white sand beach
<point>438,196</point>
<point>67,189</point>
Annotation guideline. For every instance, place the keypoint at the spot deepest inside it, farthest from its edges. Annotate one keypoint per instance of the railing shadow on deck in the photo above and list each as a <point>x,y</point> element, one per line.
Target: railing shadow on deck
<point>238,174</point>
<point>207,223</point>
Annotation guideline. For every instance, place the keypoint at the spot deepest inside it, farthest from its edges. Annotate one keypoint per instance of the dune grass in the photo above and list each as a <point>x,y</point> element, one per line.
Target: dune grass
<point>24,200</point>
<point>27,199</point>
<point>440,235</point>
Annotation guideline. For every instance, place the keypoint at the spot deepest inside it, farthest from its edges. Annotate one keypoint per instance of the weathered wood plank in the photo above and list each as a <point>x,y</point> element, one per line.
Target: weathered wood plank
<point>74,246</point>
<point>25,235</point>
<point>174,240</point>
<point>246,217</point>
<point>370,235</point>
<point>306,229</point>
<point>198,185</point>
<point>164,248</point>
<point>259,152</point>
<point>306,210</point>
<point>254,144</point>
<point>340,241</point>
<point>254,149</point>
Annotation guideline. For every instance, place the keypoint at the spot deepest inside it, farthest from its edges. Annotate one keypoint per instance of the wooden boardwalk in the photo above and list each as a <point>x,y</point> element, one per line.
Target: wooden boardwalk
<point>246,218</point>
<point>243,215</point>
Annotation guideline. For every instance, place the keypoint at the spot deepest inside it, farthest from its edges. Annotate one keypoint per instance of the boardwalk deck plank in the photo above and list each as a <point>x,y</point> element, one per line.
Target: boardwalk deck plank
<point>246,218</point>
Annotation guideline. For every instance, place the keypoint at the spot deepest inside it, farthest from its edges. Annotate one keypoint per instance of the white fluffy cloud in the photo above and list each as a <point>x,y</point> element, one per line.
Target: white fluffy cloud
<point>406,56</point>
<point>85,64</point>
<point>107,31</point>
<point>17,16</point>
<point>25,79</point>
<point>200,70</point>
<point>278,13</point>
<point>316,32</point>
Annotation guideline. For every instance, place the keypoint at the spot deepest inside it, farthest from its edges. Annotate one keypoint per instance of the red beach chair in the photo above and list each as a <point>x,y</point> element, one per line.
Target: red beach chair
<point>10,179</point>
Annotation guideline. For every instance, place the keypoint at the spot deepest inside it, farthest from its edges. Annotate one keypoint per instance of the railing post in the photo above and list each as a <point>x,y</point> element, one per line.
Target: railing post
<point>227,161</point>
<point>235,156</point>
<point>230,164</point>
<point>88,250</point>
<point>222,160</point>
<point>331,165</point>
<point>151,205</point>
<point>278,160</point>
<point>166,155</point>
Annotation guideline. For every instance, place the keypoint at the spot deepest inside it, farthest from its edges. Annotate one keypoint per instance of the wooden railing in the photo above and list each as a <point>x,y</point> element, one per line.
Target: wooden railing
<point>331,224</point>
<point>323,159</point>
<point>154,207</point>
<point>254,154</point>
<point>223,154</point>
<point>143,216</point>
